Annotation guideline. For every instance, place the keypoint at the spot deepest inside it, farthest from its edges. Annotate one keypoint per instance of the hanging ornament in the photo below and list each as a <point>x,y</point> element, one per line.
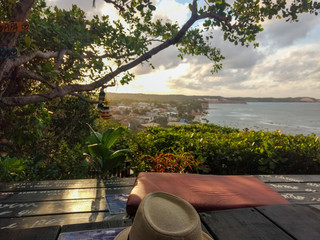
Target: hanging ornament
<point>102,96</point>
<point>103,106</point>
<point>105,112</point>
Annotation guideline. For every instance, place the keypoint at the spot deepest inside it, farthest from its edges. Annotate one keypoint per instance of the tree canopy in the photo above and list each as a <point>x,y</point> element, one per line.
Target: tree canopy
<point>64,53</point>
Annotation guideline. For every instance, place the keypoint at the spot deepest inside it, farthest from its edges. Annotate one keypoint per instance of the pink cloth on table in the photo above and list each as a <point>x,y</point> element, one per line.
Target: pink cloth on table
<point>205,192</point>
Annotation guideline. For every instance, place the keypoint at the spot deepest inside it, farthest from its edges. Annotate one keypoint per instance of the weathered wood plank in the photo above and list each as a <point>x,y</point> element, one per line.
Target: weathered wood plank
<point>289,178</point>
<point>315,206</point>
<point>58,220</point>
<point>22,209</point>
<point>106,234</point>
<point>246,223</point>
<point>48,233</point>
<point>97,225</point>
<point>65,194</point>
<point>66,184</point>
<point>302,222</point>
<point>103,225</point>
<point>295,187</point>
<point>204,229</point>
<point>302,198</point>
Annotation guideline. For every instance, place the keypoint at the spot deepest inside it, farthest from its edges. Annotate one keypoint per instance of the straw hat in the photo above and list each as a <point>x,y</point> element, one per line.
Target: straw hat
<point>163,216</point>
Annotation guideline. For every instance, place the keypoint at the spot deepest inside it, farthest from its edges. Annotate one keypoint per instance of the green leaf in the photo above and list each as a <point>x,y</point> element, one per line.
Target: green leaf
<point>113,137</point>
<point>119,153</point>
<point>95,137</point>
<point>96,151</point>
<point>272,165</point>
<point>47,67</point>
<point>151,7</point>
<point>27,40</point>
<point>140,7</point>
<point>106,136</point>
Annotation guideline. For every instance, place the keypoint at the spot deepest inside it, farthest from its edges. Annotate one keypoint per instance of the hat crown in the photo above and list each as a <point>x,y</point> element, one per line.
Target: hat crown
<point>164,216</point>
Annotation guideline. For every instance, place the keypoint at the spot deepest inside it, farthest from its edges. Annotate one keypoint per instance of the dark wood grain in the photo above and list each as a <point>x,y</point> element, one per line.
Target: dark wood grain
<point>289,178</point>
<point>58,220</point>
<point>125,222</point>
<point>295,187</point>
<point>241,224</point>
<point>302,198</point>
<point>48,233</point>
<point>64,194</point>
<point>8,210</point>
<point>65,184</point>
<point>302,222</point>
<point>204,229</point>
<point>315,206</point>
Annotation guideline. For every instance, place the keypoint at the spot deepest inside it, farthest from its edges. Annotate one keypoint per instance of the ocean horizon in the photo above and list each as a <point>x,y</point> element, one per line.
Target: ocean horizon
<point>289,117</point>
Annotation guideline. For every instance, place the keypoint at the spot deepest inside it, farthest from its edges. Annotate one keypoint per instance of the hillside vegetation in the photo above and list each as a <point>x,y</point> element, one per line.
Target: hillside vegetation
<point>181,98</point>
<point>201,148</point>
<point>231,151</point>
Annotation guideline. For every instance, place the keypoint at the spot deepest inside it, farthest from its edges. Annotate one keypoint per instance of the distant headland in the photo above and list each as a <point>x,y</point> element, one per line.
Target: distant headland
<point>244,100</point>
<point>209,99</point>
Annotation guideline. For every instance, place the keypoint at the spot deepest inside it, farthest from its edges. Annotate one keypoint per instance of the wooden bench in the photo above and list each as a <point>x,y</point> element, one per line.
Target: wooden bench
<point>43,210</point>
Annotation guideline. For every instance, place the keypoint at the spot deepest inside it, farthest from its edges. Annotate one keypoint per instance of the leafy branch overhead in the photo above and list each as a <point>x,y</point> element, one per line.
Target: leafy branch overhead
<point>64,53</point>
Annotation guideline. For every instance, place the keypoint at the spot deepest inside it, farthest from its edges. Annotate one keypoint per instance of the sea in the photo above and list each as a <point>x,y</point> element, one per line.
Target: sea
<point>289,118</point>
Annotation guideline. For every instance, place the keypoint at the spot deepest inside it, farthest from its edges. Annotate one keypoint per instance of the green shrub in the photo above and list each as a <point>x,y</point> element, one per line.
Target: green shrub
<point>231,151</point>
<point>100,153</point>
<point>177,162</point>
<point>11,169</point>
<point>48,136</point>
<point>62,163</point>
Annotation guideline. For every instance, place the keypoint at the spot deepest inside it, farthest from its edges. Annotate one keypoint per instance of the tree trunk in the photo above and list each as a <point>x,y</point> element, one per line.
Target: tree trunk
<point>20,14</point>
<point>10,83</point>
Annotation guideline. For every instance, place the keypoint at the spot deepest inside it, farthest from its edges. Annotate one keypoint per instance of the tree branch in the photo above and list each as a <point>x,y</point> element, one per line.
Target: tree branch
<point>60,58</point>
<point>119,7</point>
<point>15,62</point>
<point>23,72</point>
<point>71,89</point>
<point>106,55</point>
<point>84,98</point>
<point>216,17</point>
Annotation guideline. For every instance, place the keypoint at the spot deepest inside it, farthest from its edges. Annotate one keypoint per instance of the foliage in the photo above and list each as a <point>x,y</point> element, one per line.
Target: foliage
<point>24,126</point>
<point>68,161</point>
<point>231,151</point>
<point>63,162</point>
<point>64,48</point>
<point>49,136</point>
<point>101,156</point>
<point>11,169</point>
<point>42,126</point>
<point>204,148</point>
<point>179,162</point>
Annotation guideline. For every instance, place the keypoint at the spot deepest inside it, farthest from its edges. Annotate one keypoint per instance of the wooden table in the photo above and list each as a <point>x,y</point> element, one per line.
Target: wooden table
<point>278,222</point>
<point>43,210</point>
<point>298,189</point>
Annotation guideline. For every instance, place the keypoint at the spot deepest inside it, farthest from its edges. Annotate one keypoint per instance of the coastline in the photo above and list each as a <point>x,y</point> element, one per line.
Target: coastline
<point>289,118</point>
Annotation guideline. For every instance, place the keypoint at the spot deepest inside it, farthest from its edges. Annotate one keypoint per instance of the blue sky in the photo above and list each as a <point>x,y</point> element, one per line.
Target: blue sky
<point>287,63</point>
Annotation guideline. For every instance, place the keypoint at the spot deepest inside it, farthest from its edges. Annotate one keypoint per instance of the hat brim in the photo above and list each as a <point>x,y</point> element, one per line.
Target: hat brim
<point>123,235</point>
<point>206,236</point>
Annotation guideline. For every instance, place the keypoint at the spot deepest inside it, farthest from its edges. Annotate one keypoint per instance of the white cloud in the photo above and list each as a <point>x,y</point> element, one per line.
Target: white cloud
<point>172,10</point>
<point>292,65</point>
<point>287,63</point>
<point>85,5</point>
<point>279,33</point>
